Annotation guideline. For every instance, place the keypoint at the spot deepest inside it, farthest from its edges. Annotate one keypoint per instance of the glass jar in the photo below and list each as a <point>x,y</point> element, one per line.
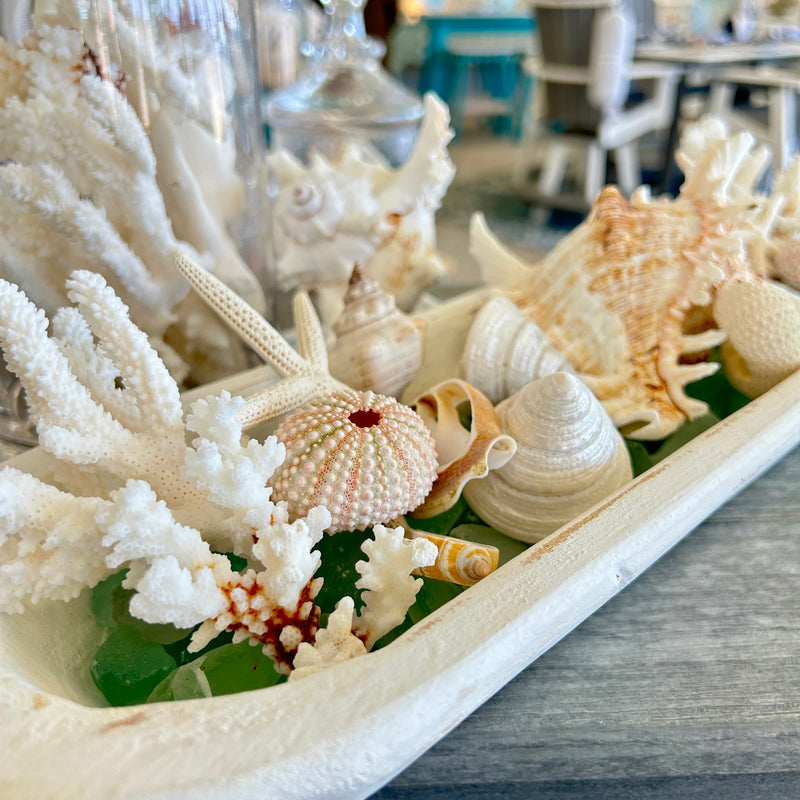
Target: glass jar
<point>345,96</point>
<point>189,69</point>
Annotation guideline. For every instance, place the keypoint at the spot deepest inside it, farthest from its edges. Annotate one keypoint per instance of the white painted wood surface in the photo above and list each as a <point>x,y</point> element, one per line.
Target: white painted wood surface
<point>684,685</point>
<point>343,733</point>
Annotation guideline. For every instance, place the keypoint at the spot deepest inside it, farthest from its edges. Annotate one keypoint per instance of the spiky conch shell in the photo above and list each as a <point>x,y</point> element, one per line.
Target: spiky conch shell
<point>365,457</point>
<point>378,347</point>
<point>612,298</point>
<point>569,457</point>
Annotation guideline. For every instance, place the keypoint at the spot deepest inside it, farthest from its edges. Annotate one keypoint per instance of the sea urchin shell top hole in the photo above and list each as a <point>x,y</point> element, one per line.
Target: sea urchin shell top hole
<point>364,417</point>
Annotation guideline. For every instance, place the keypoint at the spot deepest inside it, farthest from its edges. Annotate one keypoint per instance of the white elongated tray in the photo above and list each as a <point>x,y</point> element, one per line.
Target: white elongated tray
<point>345,732</point>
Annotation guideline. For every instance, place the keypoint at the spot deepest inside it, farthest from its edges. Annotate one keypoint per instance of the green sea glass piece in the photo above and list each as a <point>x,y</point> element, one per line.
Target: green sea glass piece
<point>224,670</point>
<point>126,668</point>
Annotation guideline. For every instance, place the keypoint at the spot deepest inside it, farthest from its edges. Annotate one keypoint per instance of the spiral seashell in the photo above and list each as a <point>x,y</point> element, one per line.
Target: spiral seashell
<point>463,454</point>
<point>569,457</point>
<point>459,561</point>
<point>365,457</point>
<point>377,347</point>
<point>504,351</point>
<point>762,320</point>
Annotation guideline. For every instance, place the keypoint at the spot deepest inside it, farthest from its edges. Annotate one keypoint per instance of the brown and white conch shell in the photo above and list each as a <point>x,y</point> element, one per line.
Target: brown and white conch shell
<point>762,320</point>
<point>569,457</point>
<point>504,351</point>
<point>464,454</point>
<point>378,347</point>
<point>615,295</point>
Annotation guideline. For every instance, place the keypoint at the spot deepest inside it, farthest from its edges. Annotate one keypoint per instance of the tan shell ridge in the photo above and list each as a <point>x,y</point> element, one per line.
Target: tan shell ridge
<point>569,457</point>
<point>464,455</point>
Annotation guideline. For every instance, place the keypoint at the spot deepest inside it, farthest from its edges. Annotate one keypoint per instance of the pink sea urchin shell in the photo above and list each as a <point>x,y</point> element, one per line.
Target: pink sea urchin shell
<point>364,456</point>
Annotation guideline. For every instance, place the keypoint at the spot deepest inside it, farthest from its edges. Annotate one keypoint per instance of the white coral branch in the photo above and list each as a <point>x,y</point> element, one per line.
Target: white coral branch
<point>333,644</point>
<point>386,577</point>
<point>174,572</point>
<point>92,367</point>
<point>44,549</point>
<point>41,195</point>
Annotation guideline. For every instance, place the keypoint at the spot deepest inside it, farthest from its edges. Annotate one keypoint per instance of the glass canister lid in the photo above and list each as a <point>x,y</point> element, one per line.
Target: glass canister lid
<point>345,96</point>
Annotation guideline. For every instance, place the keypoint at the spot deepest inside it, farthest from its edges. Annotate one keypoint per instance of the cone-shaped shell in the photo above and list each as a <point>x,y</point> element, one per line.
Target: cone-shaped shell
<point>378,348</point>
<point>504,351</point>
<point>569,457</point>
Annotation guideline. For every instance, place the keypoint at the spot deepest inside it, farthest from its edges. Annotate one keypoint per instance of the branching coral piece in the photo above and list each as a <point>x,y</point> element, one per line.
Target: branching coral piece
<point>386,577</point>
<point>44,550</point>
<point>390,591</point>
<point>78,189</point>
<point>333,644</point>
<point>169,505</point>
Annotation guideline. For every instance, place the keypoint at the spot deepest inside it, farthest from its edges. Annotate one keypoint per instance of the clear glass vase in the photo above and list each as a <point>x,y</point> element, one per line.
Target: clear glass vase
<point>189,68</point>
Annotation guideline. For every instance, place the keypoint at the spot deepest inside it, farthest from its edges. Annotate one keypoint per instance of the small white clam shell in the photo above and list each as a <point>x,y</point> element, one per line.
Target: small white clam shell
<point>569,457</point>
<point>504,351</point>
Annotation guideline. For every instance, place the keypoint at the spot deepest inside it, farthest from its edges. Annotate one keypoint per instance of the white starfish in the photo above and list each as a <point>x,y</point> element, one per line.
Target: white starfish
<point>304,372</point>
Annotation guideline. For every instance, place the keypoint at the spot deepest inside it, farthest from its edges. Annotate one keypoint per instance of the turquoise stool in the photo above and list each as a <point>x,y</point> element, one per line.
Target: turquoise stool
<point>439,68</point>
<point>487,79</point>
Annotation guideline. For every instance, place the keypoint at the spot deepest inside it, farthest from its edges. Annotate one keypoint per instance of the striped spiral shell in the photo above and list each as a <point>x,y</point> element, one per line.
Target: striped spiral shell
<point>459,561</point>
<point>364,456</point>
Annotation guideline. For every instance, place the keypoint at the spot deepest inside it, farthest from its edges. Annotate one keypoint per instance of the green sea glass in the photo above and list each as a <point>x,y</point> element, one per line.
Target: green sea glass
<point>126,668</point>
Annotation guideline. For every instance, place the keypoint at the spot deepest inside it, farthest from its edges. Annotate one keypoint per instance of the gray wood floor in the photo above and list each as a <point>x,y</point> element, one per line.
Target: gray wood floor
<point>685,685</point>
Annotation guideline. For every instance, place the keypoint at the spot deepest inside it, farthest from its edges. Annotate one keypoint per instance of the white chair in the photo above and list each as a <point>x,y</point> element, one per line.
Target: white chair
<point>585,111</point>
<point>773,120</point>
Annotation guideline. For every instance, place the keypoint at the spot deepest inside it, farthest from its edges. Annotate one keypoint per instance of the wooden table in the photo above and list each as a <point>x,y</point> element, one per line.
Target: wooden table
<point>685,685</point>
<point>695,57</point>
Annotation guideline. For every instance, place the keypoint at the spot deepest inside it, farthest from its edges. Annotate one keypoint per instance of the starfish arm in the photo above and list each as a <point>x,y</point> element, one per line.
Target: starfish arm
<point>242,318</point>
<point>310,337</point>
<point>278,399</point>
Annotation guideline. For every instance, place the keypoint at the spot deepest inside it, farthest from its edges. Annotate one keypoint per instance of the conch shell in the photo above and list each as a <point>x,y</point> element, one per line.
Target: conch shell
<point>463,454</point>
<point>377,347</point>
<point>762,320</point>
<point>569,457</point>
<point>329,215</point>
<point>616,295</point>
<point>615,306</point>
<point>504,351</point>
